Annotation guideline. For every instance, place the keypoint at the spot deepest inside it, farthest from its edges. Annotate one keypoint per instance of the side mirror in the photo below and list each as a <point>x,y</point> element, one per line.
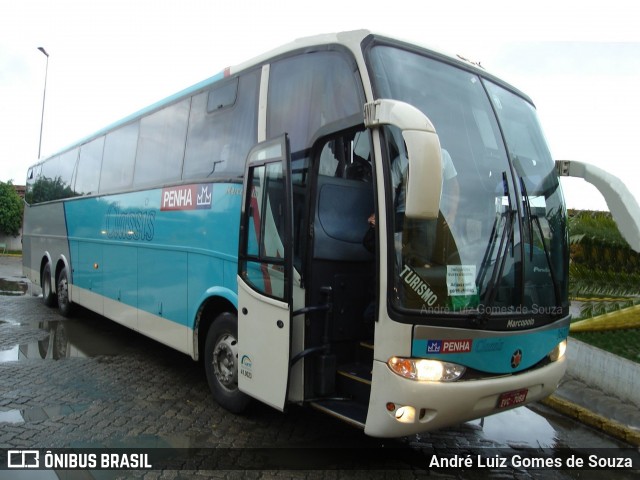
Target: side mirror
<point>424,185</point>
<point>621,202</point>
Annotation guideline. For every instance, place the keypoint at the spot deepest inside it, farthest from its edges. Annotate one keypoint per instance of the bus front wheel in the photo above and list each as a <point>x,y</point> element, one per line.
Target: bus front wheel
<point>221,363</point>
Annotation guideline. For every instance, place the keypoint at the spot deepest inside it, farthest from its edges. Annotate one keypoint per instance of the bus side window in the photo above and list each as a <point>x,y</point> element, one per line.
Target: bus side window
<point>161,145</point>
<point>89,163</point>
<point>33,175</point>
<point>309,91</point>
<point>223,127</point>
<point>119,157</point>
<point>56,178</point>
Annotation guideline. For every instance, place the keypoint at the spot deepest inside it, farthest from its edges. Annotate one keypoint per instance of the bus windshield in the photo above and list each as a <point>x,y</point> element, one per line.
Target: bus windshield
<point>498,247</point>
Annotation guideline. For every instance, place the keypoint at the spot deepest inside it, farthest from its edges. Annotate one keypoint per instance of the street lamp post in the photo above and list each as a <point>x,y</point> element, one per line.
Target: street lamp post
<point>44,95</point>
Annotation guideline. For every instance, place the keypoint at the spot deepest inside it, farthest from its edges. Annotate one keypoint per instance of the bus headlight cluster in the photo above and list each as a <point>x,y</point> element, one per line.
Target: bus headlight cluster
<point>426,370</point>
<point>558,352</point>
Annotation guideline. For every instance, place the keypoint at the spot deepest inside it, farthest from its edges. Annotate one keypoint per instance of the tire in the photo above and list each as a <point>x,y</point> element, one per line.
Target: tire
<point>64,303</point>
<point>221,363</point>
<point>48,297</point>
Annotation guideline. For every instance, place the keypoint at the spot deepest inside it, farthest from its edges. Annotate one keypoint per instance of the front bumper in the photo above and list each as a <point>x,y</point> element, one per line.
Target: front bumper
<point>436,405</point>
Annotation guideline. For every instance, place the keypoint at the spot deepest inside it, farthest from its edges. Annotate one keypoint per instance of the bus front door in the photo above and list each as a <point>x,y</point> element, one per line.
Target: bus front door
<point>265,274</point>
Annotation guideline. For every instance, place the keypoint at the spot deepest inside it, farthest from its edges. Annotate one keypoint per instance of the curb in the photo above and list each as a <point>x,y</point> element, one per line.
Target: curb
<point>604,371</point>
<point>611,427</point>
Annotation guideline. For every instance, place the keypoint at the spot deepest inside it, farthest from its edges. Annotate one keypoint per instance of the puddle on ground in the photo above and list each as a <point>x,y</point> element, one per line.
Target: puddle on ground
<point>532,427</point>
<point>519,427</point>
<point>55,340</point>
<point>10,287</point>
<point>38,414</point>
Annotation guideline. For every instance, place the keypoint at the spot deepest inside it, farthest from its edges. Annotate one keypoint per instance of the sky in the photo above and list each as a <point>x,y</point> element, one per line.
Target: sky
<point>579,62</point>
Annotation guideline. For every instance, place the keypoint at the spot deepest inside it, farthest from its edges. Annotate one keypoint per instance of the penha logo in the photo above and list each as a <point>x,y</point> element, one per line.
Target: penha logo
<point>449,346</point>
<point>187,197</point>
<point>456,346</point>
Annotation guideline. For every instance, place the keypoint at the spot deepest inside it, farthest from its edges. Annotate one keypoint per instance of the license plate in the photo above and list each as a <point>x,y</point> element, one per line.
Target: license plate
<point>509,399</point>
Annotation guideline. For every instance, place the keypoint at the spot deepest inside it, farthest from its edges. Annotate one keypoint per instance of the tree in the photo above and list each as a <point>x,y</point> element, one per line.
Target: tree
<point>10,210</point>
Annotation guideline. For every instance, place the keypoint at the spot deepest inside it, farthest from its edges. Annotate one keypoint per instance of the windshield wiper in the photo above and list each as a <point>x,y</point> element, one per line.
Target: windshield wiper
<point>531,219</point>
<point>528,214</point>
<point>552,273</point>
<point>501,260</point>
<point>507,220</point>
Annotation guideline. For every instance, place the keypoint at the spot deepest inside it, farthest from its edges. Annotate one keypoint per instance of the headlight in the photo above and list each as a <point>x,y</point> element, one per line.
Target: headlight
<point>426,370</point>
<point>558,352</point>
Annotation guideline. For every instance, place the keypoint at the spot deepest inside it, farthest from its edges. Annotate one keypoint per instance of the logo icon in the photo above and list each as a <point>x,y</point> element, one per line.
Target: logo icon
<point>516,358</point>
<point>204,197</point>
<point>245,367</point>
<point>434,346</point>
<point>23,459</point>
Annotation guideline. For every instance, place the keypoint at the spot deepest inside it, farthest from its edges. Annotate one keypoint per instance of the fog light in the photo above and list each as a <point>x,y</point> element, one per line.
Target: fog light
<point>425,370</point>
<point>558,352</point>
<point>405,414</point>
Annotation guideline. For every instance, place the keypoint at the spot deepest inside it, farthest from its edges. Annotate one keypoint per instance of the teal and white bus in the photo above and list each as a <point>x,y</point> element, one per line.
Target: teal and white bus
<point>350,221</point>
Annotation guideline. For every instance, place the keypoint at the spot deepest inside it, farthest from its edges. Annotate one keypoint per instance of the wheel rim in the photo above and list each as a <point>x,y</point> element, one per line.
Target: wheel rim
<point>225,366</point>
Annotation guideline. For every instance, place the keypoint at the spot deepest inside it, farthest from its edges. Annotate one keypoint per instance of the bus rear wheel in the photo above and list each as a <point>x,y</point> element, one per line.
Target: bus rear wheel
<point>221,363</point>
<point>64,304</point>
<point>48,297</point>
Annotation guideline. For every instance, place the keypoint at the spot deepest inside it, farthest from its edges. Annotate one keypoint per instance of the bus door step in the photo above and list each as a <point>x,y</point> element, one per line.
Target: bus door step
<point>354,413</point>
<point>364,352</point>
<point>367,344</point>
<point>354,381</point>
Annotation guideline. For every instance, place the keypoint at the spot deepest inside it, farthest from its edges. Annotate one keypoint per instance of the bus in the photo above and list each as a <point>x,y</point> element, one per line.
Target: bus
<point>350,222</point>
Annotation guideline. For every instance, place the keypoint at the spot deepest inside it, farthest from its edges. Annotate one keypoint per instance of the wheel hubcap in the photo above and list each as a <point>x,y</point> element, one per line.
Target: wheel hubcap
<point>63,292</point>
<point>225,366</point>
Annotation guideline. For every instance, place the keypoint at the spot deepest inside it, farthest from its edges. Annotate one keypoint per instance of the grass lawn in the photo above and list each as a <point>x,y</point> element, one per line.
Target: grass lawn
<point>624,343</point>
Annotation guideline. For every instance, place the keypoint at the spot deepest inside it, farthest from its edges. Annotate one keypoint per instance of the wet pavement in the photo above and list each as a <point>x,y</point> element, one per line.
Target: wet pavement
<point>87,382</point>
<point>597,409</point>
<point>12,282</point>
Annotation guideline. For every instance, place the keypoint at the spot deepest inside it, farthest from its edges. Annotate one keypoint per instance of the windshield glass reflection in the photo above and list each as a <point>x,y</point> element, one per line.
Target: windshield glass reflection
<point>498,244</point>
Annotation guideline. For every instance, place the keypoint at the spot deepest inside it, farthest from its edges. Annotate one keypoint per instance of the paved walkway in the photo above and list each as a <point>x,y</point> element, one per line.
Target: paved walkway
<point>597,409</point>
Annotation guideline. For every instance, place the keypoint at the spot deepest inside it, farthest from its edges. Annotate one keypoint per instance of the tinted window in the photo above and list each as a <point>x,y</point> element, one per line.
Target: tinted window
<point>222,96</point>
<point>50,167</point>
<point>119,155</point>
<point>88,174</point>
<point>61,167</point>
<point>222,128</point>
<point>33,175</point>
<point>67,167</point>
<point>309,91</point>
<point>54,180</point>
<point>161,145</point>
